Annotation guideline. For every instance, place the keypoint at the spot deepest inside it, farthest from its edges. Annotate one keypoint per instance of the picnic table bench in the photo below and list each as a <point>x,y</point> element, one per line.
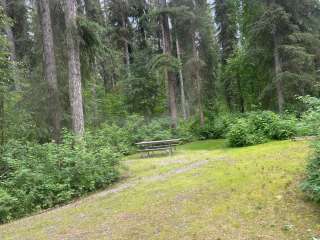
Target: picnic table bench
<point>162,145</point>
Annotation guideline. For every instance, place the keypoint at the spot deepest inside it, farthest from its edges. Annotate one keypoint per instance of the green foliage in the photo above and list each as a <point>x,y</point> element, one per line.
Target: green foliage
<point>157,129</point>
<point>263,122</point>
<point>37,176</point>
<point>311,185</point>
<point>284,129</point>
<point>185,131</point>
<point>258,127</point>
<point>242,134</point>
<point>215,127</point>
<point>7,205</point>
<point>309,124</point>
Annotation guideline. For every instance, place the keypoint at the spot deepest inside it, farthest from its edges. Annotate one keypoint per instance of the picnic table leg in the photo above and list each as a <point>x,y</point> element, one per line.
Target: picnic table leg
<point>170,150</point>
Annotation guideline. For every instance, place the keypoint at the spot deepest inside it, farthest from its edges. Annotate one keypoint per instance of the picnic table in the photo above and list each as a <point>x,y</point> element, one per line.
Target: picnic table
<point>161,145</point>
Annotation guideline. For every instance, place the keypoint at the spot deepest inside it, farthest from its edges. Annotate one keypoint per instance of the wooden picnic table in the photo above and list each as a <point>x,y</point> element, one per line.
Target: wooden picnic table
<point>160,145</point>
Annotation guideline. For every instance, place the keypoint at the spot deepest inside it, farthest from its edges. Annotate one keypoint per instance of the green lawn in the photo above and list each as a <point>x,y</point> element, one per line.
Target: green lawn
<point>205,191</point>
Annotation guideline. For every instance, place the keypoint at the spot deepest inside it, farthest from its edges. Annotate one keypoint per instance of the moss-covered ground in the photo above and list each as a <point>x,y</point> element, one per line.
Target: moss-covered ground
<point>204,191</point>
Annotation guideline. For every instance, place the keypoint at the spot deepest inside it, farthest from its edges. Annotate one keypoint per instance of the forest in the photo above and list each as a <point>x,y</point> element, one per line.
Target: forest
<point>82,81</point>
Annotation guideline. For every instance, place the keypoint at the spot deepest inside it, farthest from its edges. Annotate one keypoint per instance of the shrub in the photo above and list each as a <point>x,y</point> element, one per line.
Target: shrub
<point>283,129</point>
<point>42,176</point>
<point>309,123</point>
<point>184,131</point>
<point>156,129</point>
<point>242,134</point>
<point>263,122</point>
<point>311,185</point>
<point>258,127</point>
<point>117,138</point>
<point>7,204</point>
<point>215,127</point>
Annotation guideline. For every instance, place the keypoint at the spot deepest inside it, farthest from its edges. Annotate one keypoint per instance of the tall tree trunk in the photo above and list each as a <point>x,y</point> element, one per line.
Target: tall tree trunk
<point>228,40</point>
<point>2,118</point>
<point>50,69</point>
<point>198,81</point>
<point>241,98</point>
<point>171,78</point>
<point>126,52</point>
<point>183,98</point>
<point>277,72</point>
<point>75,88</point>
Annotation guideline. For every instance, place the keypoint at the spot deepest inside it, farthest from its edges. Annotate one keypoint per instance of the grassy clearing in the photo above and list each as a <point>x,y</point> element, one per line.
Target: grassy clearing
<point>205,191</point>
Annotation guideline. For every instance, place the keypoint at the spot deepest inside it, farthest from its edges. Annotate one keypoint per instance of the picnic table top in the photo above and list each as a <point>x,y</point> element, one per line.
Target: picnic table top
<point>159,142</point>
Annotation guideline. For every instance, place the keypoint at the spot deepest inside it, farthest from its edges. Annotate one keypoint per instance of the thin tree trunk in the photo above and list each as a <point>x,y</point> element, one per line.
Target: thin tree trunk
<point>183,98</point>
<point>75,88</point>
<point>2,118</point>
<point>166,35</point>
<point>50,69</point>
<point>94,98</point>
<point>277,72</point>
<point>198,82</point>
<point>126,45</point>
<point>240,95</point>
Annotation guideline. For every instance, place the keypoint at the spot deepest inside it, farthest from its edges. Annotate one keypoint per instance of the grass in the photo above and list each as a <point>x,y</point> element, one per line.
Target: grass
<point>205,191</point>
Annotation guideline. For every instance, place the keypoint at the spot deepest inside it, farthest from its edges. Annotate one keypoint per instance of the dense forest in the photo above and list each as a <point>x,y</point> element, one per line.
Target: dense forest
<point>87,68</point>
<point>78,64</point>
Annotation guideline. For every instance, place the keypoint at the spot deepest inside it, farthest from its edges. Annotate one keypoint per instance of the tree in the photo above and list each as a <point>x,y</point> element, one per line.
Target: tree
<point>120,11</point>
<point>50,69</point>
<point>5,73</point>
<point>17,11</point>
<point>181,80</point>
<point>9,34</point>
<point>170,76</point>
<point>75,88</point>
<point>278,38</point>
<point>226,18</point>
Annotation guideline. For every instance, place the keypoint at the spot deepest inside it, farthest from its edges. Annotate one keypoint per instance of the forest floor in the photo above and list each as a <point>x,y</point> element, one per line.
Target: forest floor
<point>205,191</point>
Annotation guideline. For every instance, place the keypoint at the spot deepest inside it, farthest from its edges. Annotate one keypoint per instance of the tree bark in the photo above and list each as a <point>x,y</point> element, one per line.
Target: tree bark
<point>126,44</point>
<point>2,118</point>
<point>171,79</point>
<point>277,72</point>
<point>50,69</point>
<point>198,81</point>
<point>241,98</point>
<point>75,88</point>
<point>183,98</point>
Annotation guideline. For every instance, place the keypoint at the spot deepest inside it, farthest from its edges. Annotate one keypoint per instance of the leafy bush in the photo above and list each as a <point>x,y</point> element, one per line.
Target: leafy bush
<point>242,134</point>
<point>309,124</point>
<point>311,185</point>
<point>258,127</point>
<point>7,204</point>
<point>184,131</point>
<point>215,127</point>
<point>39,176</point>
<point>118,138</point>
<point>263,122</point>
<point>283,129</point>
<point>156,129</point>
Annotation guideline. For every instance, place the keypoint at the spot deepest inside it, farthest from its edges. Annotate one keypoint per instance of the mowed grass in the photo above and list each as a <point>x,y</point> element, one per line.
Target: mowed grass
<point>205,191</point>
